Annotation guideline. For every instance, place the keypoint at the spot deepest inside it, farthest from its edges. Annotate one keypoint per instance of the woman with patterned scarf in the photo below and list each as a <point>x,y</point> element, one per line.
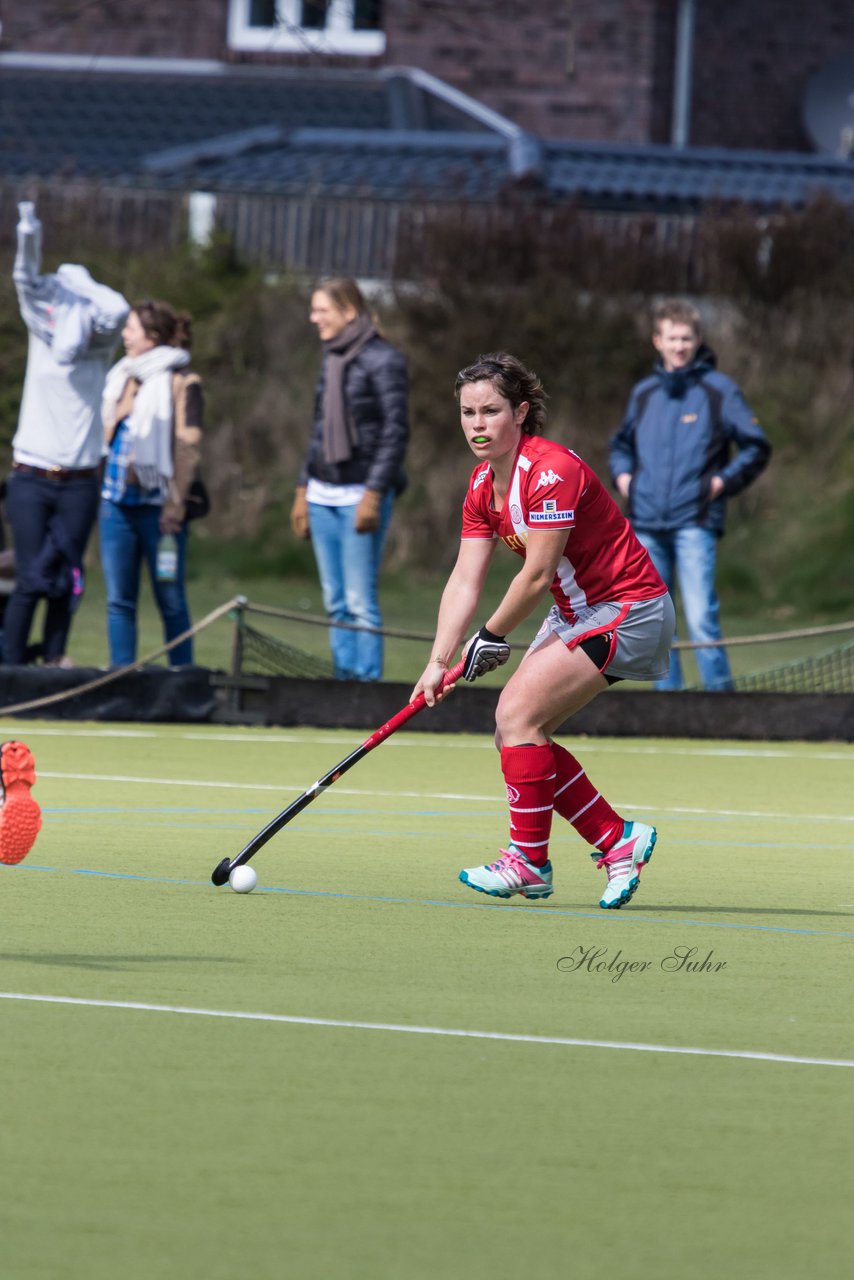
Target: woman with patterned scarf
<point>353,471</point>
<point>152,411</point>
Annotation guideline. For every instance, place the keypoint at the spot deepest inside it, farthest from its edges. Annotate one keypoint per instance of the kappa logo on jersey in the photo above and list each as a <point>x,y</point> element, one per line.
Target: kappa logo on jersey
<point>479,479</point>
<point>512,794</point>
<point>546,477</point>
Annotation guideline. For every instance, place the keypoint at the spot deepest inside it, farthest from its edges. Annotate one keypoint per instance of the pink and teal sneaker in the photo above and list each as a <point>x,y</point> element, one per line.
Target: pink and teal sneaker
<point>625,862</point>
<point>511,874</point>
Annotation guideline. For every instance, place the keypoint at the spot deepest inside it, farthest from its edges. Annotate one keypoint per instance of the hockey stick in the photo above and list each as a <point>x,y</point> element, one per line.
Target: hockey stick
<point>223,870</point>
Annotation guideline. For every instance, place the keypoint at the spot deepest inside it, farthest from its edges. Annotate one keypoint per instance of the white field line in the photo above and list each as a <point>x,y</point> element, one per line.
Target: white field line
<point>265,786</point>
<point>444,742</point>
<point>403,1028</point>
<point>463,797</point>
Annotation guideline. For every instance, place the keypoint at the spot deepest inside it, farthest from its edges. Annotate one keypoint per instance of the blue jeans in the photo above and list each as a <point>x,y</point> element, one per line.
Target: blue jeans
<point>129,535</point>
<point>690,554</point>
<point>31,503</point>
<point>349,565</point>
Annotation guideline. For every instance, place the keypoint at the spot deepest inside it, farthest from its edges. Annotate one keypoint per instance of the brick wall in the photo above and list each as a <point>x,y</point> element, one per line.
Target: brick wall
<point>120,28</point>
<point>582,68</point>
<point>752,65</point>
<point>562,68</point>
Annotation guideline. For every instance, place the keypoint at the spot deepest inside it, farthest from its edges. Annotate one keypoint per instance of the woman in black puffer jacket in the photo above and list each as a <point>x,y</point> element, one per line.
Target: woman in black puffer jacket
<point>353,470</point>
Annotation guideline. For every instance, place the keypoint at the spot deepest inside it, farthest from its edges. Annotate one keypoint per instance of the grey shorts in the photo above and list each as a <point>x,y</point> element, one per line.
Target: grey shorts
<point>634,639</point>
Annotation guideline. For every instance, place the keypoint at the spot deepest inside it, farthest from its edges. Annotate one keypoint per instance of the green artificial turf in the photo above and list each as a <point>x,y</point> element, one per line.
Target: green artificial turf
<point>148,1143</point>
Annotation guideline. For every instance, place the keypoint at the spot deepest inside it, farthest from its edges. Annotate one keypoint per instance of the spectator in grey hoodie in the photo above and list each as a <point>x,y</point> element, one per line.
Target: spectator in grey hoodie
<point>52,493</point>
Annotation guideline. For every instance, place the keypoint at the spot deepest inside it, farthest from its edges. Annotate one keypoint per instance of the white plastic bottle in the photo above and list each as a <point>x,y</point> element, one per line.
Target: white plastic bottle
<point>27,220</point>
<point>29,237</point>
<point>167,558</point>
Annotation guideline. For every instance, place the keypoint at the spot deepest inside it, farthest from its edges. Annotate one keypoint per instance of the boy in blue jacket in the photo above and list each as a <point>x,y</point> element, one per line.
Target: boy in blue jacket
<point>687,443</point>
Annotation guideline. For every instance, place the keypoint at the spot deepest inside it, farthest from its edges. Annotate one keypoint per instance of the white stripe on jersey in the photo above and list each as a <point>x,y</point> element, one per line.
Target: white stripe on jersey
<point>568,585</point>
<point>514,502</point>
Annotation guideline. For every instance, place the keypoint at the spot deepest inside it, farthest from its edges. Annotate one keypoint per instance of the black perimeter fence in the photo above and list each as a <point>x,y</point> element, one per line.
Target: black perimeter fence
<point>256,651</point>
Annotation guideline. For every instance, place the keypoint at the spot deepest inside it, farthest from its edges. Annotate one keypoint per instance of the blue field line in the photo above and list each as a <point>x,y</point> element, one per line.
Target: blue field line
<point>598,916</point>
<point>106,875</point>
<point>518,911</point>
<point>118,875</point>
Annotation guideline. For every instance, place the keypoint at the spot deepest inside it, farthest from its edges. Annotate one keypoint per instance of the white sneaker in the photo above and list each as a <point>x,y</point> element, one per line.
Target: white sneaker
<point>625,862</point>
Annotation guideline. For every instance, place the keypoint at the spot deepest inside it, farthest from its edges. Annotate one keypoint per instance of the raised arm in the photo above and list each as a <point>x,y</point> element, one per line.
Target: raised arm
<point>106,309</point>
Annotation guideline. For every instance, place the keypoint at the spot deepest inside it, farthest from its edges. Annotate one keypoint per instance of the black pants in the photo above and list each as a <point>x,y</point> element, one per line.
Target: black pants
<point>31,502</point>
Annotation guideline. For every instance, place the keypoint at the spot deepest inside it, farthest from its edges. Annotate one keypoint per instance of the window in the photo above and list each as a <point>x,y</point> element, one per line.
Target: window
<point>306,26</point>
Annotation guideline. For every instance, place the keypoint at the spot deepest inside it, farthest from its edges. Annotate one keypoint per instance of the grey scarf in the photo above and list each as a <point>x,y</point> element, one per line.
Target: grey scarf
<point>339,435</point>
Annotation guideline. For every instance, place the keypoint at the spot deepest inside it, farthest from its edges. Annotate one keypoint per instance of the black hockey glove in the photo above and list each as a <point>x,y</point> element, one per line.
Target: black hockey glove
<point>485,652</point>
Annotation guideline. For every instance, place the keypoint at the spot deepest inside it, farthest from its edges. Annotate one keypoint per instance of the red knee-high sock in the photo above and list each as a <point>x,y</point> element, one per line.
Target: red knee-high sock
<point>529,772</point>
<point>577,800</point>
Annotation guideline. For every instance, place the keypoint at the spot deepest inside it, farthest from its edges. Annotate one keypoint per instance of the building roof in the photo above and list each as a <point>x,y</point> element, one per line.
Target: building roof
<point>393,134</point>
<point>390,165</point>
<point>104,125</point>
<point>662,177</point>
